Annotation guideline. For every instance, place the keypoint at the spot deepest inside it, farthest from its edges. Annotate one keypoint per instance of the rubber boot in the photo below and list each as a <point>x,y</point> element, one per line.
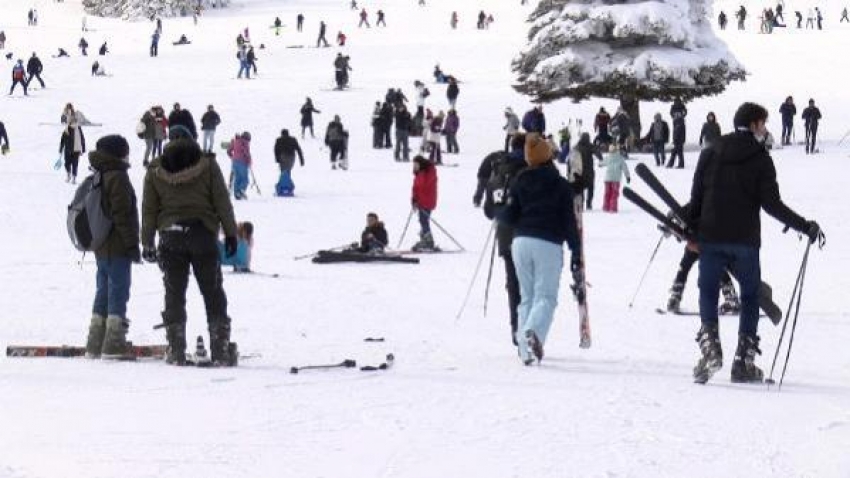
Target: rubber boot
<point>97,330</point>
<point>744,369</point>
<point>712,354</point>
<point>176,336</point>
<point>115,344</point>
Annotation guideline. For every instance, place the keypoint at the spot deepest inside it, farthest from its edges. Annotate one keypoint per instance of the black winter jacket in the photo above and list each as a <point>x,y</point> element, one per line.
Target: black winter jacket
<point>788,112</point>
<point>184,118</point>
<point>734,180</point>
<point>210,120</point>
<point>710,133</point>
<point>34,66</point>
<point>285,149</point>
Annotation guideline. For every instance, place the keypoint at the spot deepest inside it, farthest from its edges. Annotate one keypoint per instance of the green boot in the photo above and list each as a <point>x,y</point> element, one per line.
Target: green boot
<point>97,329</point>
<point>115,344</point>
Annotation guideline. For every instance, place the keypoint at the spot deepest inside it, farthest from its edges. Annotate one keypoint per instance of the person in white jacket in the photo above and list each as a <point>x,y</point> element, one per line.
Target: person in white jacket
<point>511,126</point>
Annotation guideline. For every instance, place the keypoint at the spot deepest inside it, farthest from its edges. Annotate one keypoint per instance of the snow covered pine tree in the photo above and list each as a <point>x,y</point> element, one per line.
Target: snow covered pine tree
<point>148,8</point>
<point>629,50</point>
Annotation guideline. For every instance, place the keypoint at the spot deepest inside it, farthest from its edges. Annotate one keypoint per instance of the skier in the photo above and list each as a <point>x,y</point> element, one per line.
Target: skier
<point>843,18</point>
<point>307,111</point>
<point>584,180</point>
<point>511,126</point>
<point>103,49</point>
<point>496,176</point>
<point>34,69</point>
<point>403,124</point>
<point>299,22</point>
<point>244,65</point>
<point>450,130</point>
<point>154,50</point>
<point>209,122</point>
<point>322,40</point>
<point>374,238</point>
<point>710,131</point>
<point>107,335</point>
<point>381,20</point>
<point>252,59</point>
<point>452,92</point>
<point>335,140</point>
<point>600,127</point>
<point>534,121</point>
<point>240,154</point>
<point>341,69</point>
<point>19,76</point>
<point>434,131</point>
<point>811,117</point>
<point>658,135</point>
<point>788,111</point>
<point>799,18</point>
<point>364,18</point>
<point>72,144</point>
<point>727,217</point>
<point>285,149</point>
<point>678,112</point>
<point>731,303</point>
<point>241,260</point>
<point>182,117</point>
<point>4,139</point>
<point>540,208</point>
<point>722,20</point>
<point>424,200</point>
<point>83,46</point>
<point>186,201</point>
<point>741,15</point>
<point>615,168</point>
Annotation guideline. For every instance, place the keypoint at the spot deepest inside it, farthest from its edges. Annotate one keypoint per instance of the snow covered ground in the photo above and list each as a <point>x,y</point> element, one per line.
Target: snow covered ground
<point>457,402</point>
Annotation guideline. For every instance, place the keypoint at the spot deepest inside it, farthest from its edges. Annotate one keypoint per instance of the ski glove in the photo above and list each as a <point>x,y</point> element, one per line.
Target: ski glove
<point>230,246</point>
<point>149,253</point>
<point>814,232</point>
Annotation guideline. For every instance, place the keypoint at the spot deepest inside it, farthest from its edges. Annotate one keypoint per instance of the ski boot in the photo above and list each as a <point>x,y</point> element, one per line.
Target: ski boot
<point>712,354</point>
<point>223,352</point>
<point>675,297</point>
<point>176,336</point>
<point>534,345</point>
<point>97,330</point>
<point>425,244</point>
<point>115,345</point>
<point>744,369</point>
<point>731,304</point>
<point>767,304</point>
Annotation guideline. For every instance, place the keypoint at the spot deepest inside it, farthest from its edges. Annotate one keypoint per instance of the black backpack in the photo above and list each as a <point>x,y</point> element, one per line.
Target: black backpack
<point>88,223</point>
<point>503,173</point>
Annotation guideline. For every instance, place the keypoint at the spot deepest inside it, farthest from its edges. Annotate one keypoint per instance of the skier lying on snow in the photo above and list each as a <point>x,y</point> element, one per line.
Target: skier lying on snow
<point>241,261</point>
<point>374,238</point>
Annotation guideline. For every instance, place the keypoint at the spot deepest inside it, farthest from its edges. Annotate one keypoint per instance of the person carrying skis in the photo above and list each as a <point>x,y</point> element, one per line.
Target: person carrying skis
<point>72,144</point>
<point>209,122</point>
<point>374,238</point>
<point>496,176</point>
<point>540,209</point>
<point>811,117</point>
<point>307,111</point>
<point>424,200</point>
<point>335,140</point>
<point>658,136</point>
<point>186,201</point>
<point>107,335</point>
<point>615,168</point>
<point>734,180</point>
<point>19,76</point>
<point>34,69</point>
<point>403,125</point>
<point>710,131</point>
<point>788,112</point>
<point>511,126</point>
<point>240,154</point>
<point>341,68</point>
<point>285,149</point>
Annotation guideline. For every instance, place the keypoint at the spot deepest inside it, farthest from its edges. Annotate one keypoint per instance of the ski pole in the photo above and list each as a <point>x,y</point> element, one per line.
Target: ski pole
<point>843,138</point>
<point>489,274</point>
<point>254,181</point>
<point>803,268</point>
<point>475,274</point>
<point>447,233</point>
<point>645,271</point>
<point>406,225</point>
<point>795,297</point>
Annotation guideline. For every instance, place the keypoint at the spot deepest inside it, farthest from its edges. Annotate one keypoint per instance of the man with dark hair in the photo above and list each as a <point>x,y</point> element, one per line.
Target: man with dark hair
<point>34,68</point>
<point>734,180</point>
<point>788,112</point>
<point>209,122</point>
<point>285,149</point>
<point>181,117</point>
<point>811,118</point>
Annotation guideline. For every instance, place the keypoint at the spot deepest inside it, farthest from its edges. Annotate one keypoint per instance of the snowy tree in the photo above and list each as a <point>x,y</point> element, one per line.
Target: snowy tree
<point>630,50</point>
<point>134,9</point>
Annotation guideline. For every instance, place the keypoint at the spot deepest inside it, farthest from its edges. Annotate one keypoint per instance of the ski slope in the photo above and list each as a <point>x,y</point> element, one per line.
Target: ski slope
<point>457,402</point>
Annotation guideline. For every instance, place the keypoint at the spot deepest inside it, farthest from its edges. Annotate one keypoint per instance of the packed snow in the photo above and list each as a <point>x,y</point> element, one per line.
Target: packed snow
<point>457,401</point>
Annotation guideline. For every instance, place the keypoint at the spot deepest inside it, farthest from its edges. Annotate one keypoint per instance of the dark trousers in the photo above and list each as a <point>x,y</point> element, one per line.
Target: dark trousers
<point>588,193</point>
<point>36,76</point>
<point>787,128</point>
<point>15,83</point>
<point>402,145</point>
<point>304,129</point>
<point>195,247</point>
<point>72,161</point>
<point>337,150</point>
<point>678,151</point>
<point>154,49</point>
<point>743,262</point>
<point>424,221</point>
<point>512,286</point>
<point>377,137</point>
<point>658,152</point>
<point>435,155</point>
<point>386,140</point>
<point>451,143</point>
<point>508,142</point>
<point>811,138</point>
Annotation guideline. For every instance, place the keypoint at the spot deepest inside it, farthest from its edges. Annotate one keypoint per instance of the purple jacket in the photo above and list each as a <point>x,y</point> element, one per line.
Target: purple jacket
<point>452,124</point>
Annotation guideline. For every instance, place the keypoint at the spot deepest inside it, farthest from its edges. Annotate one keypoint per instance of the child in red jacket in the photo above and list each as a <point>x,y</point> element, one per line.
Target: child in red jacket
<point>424,199</point>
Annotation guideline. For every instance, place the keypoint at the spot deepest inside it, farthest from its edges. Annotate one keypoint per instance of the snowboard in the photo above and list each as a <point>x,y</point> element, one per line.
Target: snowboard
<point>69,351</point>
<point>332,257</point>
<point>579,285</point>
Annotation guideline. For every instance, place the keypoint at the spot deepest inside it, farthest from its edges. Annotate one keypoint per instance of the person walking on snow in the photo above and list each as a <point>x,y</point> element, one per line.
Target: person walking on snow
<point>34,69</point>
<point>72,144</point>
<point>19,76</point>
<point>285,149</point>
<point>240,154</point>
<point>244,65</point>
<point>615,169</point>
<point>154,50</point>
<point>511,126</point>
<point>811,117</point>
<point>364,19</point>
<point>322,40</point>
<point>658,135</point>
<point>335,140</point>
<point>107,335</point>
<point>842,20</point>
<point>209,122</point>
<point>381,20</point>
<point>788,111</point>
<point>452,92</point>
<point>307,111</point>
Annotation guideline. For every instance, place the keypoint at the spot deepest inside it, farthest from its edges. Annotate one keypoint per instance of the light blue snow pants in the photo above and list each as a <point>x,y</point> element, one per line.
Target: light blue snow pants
<point>538,265</point>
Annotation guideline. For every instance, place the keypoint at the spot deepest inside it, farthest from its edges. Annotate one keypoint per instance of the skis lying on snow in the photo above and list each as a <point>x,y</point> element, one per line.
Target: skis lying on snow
<point>579,285</point>
<point>347,363</point>
<point>70,351</point>
<point>331,257</point>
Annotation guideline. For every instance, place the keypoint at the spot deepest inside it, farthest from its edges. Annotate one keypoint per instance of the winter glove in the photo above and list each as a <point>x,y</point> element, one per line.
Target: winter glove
<point>230,246</point>
<point>575,262</point>
<point>814,232</point>
<point>134,255</point>
<point>476,200</point>
<point>149,254</point>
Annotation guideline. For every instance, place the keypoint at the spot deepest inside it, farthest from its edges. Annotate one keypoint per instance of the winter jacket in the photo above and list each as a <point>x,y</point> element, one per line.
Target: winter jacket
<point>452,91</point>
<point>425,188</point>
<point>540,205</point>
<point>285,149</point>
<point>511,165</point>
<point>335,133</point>
<point>150,126</point>
<point>209,121</point>
<point>184,118</point>
<point>615,168</point>
<point>583,176</point>
<point>709,134</point>
<point>421,93</point>
<point>734,180</point>
<point>386,115</point>
<point>600,123</point>
<point>375,233</point>
<point>511,124</point>
<point>240,150</point>
<point>71,143</point>
<point>18,73</point>
<point>653,134</point>
<point>678,111</point>
<point>34,66</point>
<point>185,185</point>
<point>307,114</point>
<point>452,124</point>
<point>435,127</point>
<point>679,133</point>
<point>161,127</point>
<point>534,121</point>
<point>3,135</point>
<point>788,112</point>
<point>403,120</point>
<point>811,116</point>
<point>119,203</point>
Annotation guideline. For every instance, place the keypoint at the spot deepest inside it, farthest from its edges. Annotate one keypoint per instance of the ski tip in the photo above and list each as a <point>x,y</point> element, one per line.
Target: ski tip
<point>293,370</point>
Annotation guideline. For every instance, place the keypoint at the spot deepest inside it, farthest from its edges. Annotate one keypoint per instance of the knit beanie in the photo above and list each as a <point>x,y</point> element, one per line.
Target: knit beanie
<point>114,145</point>
<point>537,150</point>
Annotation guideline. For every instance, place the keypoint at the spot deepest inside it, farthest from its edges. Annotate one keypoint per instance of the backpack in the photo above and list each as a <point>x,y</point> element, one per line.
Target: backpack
<point>88,223</point>
<point>503,172</point>
<point>140,129</point>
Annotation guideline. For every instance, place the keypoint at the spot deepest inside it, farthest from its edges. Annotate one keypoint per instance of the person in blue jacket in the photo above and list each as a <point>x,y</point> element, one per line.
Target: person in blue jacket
<point>241,261</point>
<point>534,121</point>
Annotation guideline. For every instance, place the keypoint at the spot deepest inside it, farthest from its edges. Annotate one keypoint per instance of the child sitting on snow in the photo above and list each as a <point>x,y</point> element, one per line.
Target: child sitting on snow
<point>374,238</point>
<point>241,261</point>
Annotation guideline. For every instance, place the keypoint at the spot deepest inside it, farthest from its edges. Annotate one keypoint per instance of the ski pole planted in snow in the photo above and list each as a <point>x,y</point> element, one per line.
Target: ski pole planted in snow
<point>651,258</point>
<point>477,268</point>
<point>441,228</point>
<point>406,225</point>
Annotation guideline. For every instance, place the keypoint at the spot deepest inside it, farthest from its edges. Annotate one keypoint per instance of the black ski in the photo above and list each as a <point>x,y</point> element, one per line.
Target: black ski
<point>348,363</point>
<point>330,257</point>
<point>669,223</point>
<point>388,363</point>
<point>653,182</point>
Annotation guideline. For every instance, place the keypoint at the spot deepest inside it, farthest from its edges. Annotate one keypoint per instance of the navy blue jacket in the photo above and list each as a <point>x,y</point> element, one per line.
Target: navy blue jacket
<point>534,121</point>
<point>540,205</point>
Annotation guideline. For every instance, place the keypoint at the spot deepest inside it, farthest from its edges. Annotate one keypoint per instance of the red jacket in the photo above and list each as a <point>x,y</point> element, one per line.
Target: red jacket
<point>425,188</point>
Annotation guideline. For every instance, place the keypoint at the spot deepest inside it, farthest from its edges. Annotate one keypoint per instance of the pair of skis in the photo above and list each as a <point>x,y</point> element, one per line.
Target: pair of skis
<point>348,363</point>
